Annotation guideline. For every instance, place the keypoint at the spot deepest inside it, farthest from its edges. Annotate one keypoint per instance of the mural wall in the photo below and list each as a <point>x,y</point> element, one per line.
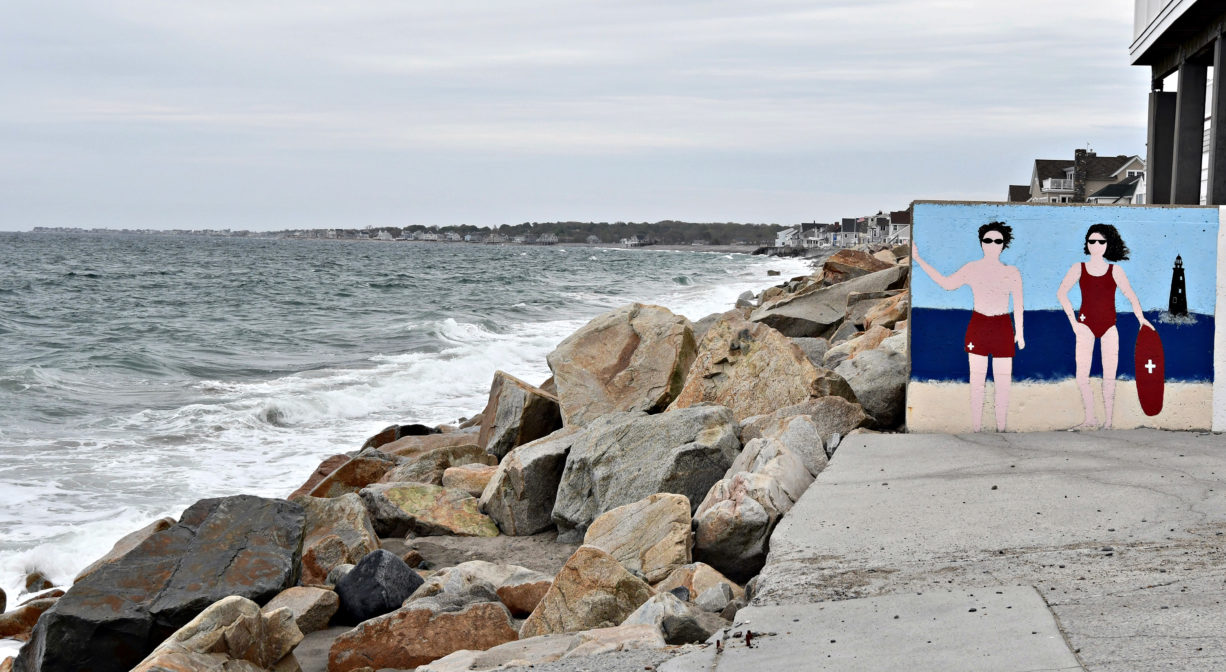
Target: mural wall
<point>1045,317</point>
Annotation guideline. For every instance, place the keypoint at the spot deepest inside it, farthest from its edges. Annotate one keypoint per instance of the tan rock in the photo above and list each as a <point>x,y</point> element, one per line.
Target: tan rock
<point>733,524</point>
<point>591,591</point>
<point>123,546</point>
<point>6,665</point>
<point>397,509</point>
<point>410,446</point>
<point>416,635</point>
<point>471,478</point>
<point>231,634</point>
<point>860,303</point>
<point>753,369</point>
<point>772,458</point>
<point>698,577</point>
<point>847,264</point>
<point>312,607</point>
<point>819,311</point>
<point>831,415</point>
<point>868,340</point>
<point>428,466</point>
<point>516,413</point>
<point>344,517</point>
<point>18,623</point>
<point>632,358</point>
<point>651,536</point>
<point>321,472</point>
<point>885,256</point>
<point>353,475</point>
<point>890,312</point>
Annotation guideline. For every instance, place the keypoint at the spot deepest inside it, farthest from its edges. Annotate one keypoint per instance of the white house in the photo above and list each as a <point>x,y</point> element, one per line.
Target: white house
<point>788,237</point>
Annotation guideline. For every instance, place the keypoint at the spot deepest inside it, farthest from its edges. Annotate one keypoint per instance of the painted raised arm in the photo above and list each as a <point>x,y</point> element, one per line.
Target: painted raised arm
<point>1121,280</point>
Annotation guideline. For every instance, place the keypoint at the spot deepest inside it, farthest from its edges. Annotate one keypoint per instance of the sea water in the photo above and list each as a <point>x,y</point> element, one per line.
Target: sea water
<point>140,373</point>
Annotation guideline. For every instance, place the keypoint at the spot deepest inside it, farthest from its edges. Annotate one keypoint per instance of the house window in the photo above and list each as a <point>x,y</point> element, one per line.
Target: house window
<point>1134,173</point>
<point>1054,200</point>
<point>1064,199</point>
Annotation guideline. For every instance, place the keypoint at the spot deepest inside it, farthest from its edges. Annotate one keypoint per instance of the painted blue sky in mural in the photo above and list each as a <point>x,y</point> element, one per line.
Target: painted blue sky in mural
<point>1047,240</point>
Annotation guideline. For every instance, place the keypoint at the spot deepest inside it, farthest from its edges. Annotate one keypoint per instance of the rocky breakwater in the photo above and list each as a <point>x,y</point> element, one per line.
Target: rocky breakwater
<point>625,503</point>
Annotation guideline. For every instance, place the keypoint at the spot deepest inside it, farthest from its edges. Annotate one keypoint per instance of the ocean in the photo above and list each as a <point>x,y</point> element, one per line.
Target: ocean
<point>140,373</point>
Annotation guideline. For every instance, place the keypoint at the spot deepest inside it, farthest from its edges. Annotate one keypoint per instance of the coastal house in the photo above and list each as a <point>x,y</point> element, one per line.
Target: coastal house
<point>901,236</point>
<point>430,237</point>
<point>1065,181</point>
<point>452,237</point>
<point>383,235</point>
<point>788,237</point>
<point>495,239</point>
<point>1128,192</point>
<point>547,239</point>
<point>899,220</point>
<point>634,241</point>
<point>593,240</point>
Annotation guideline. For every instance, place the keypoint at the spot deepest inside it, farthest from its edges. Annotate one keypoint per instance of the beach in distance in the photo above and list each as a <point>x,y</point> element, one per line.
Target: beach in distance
<point>139,374</point>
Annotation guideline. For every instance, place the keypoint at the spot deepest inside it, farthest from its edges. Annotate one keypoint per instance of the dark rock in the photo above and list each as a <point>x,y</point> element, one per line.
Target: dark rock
<point>814,348</point>
<point>746,299</point>
<point>36,581</point>
<point>772,272</point>
<point>18,623</point>
<point>730,611</point>
<point>338,572</point>
<point>396,432</point>
<point>108,621</point>
<point>4,600</point>
<point>879,379</point>
<point>682,593</point>
<point>375,586</point>
<point>521,494</point>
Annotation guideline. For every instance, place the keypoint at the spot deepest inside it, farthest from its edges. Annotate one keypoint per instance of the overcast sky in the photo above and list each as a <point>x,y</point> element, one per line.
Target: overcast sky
<point>252,114</point>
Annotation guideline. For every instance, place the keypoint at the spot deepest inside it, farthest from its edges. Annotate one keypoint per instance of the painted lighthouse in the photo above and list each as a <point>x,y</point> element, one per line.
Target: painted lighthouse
<point>1179,294</point>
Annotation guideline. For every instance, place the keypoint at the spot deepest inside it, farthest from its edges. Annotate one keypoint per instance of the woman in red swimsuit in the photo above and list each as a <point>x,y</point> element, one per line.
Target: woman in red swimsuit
<point>1098,281</point>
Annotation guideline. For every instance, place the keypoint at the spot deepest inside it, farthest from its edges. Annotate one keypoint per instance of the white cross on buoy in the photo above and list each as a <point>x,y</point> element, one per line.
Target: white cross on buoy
<point>1150,366</point>
<point>1083,317</point>
<point>970,346</point>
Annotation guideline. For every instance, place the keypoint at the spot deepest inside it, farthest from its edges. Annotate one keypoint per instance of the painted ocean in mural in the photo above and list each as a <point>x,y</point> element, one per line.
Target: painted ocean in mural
<point>1156,264</point>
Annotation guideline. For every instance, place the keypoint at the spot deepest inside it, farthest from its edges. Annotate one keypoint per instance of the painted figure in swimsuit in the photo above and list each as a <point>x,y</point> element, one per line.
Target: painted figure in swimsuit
<point>1098,280</point>
<point>990,332</point>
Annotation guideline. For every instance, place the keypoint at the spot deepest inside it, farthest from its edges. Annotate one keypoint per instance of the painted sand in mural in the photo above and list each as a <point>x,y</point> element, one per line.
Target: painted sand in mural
<point>1037,317</point>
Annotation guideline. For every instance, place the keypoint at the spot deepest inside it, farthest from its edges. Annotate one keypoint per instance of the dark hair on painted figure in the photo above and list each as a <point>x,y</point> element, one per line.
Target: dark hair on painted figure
<point>1005,230</point>
<point>1116,249</point>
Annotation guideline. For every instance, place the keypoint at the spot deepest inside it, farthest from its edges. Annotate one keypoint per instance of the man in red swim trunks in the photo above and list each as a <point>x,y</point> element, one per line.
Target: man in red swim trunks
<point>990,332</point>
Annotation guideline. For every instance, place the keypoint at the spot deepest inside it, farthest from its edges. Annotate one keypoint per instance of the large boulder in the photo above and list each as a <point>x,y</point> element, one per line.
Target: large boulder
<point>697,578</point>
<point>421,632</point>
<point>733,524</point>
<point>516,413</point>
<point>591,591</point>
<point>312,607</point>
<point>860,304</point>
<point>634,358</point>
<point>624,457</point>
<point>847,264</point>
<point>772,458</point>
<point>321,472</point>
<point>651,536</point>
<point>814,348</point>
<point>121,548</point>
<point>471,478</point>
<point>830,416</point>
<point>677,622</point>
<point>519,588</point>
<point>754,369</point>
<point>879,379</point>
<point>862,342</point>
<point>397,432</point>
<point>365,468</point>
<point>520,495</point>
<point>344,517</point>
<point>108,621</point>
<point>397,509</point>
<point>225,635</point>
<point>378,584</point>
<point>548,648</point>
<point>428,466</point>
<point>888,313</point>
<point>818,311</point>
<point>19,623</point>
<point>410,446</point>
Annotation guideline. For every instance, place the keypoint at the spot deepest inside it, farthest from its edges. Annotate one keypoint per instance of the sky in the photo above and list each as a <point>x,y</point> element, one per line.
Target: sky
<point>264,115</point>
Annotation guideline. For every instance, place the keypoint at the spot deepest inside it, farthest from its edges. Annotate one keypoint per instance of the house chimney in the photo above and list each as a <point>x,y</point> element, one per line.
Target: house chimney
<point>1081,161</point>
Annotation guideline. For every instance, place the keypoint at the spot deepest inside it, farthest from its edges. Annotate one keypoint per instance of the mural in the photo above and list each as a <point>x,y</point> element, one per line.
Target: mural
<point>1062,317</point>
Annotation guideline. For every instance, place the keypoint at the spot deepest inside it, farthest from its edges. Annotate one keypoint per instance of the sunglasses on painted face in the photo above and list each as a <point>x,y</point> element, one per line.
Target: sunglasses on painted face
<point>992,241</point>
<point>1096,241</point>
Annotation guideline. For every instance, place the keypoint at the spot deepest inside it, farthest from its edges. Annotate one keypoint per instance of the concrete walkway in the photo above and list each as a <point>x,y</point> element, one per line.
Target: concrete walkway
<point>1120,533</point>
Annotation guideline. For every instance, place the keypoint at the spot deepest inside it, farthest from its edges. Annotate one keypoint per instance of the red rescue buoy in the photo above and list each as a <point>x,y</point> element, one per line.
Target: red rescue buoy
<point>1151,372</point>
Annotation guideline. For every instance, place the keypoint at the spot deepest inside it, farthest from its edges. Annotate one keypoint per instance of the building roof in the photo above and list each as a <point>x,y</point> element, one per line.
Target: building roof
<point>1019,193</point>
<point>900,216</point>
<point>1097,167</point>
<point>1125,188</point>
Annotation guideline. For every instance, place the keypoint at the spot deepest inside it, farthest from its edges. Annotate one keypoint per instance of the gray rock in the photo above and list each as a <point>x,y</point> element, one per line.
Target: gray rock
<point>745,300</point>
<point>681,593</point>
<point>339,572</point>
<point>676,621</point>
<point>730,611</point>
<point>377,585</point>
<point>841,334</point>
<point>516,413</point>
<point>879,379</point>
<point>831,415</point>
<point>702,325</point>
<point>521,494</point>
<point>312,607</point>
<point>108,621</point>
<point>3,601</point>
<point>814,348</point>
<point>732,526</point>
<point>860,303</point>
<point>715,598</point>
<point>428,466</point>
<point>817,311</point>
<point>624,457</point>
